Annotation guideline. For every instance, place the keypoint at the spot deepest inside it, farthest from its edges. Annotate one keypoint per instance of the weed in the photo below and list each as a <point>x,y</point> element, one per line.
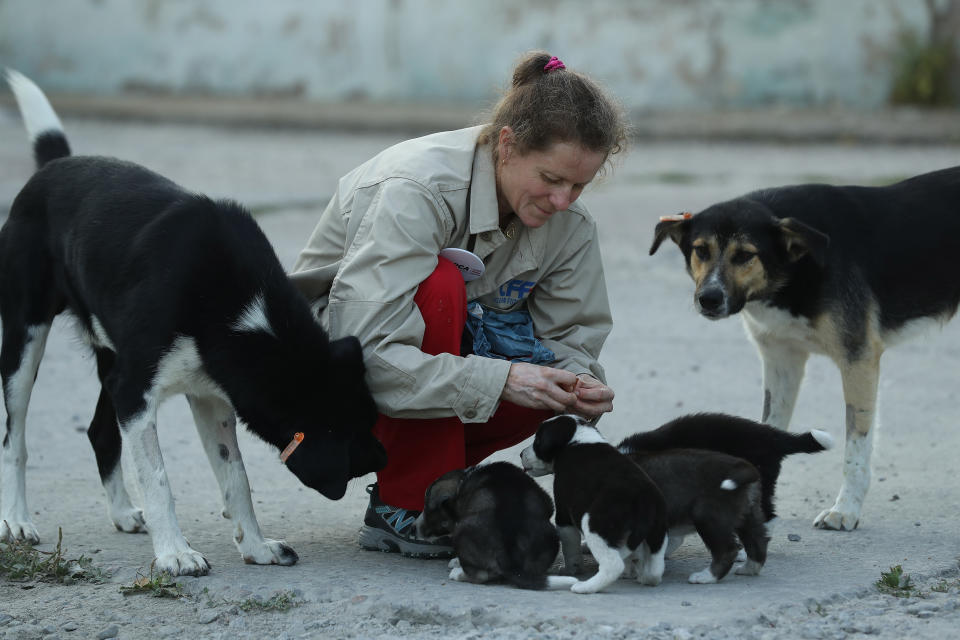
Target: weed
<point>281,601</point>
<point>896,583</point>
<point>159,585</point>
<point>20,562</point>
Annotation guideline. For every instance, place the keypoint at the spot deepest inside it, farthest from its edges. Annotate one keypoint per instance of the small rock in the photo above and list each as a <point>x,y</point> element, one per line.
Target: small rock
<point>686,603</point>
<point>916,524</point>
<point>894,498</point>
<point>209,617</point>
<point>793,537</point>
<point>70,626</point>
<point>109,632</point>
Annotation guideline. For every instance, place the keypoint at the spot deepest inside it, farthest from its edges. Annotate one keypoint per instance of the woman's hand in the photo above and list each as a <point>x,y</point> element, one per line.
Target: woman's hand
<point>537,387</point>
<point>593,397</point>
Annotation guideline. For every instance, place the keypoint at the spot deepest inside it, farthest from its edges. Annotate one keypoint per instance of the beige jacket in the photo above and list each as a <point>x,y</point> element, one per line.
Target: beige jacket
<point>378,239</point>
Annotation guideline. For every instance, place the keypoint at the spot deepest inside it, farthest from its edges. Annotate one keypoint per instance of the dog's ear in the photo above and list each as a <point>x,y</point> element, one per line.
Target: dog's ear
<point>673,226</point>
<point>801,239</point>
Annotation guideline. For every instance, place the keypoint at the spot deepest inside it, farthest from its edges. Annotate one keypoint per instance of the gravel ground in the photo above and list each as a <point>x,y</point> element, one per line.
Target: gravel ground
<point>661,358</point>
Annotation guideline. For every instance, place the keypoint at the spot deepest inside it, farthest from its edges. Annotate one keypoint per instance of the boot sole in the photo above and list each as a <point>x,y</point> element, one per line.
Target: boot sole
<point>375,539</point>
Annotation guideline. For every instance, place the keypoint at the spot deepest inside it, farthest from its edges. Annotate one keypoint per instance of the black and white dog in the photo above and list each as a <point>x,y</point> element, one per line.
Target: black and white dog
<point>175,293</point>
<point>602,494</point>
<point>499,520</point>
<point>761,445</point>
<point>835,270</point>
<point>718,497</point>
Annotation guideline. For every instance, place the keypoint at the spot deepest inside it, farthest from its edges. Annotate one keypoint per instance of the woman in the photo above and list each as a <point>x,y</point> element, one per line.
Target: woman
<point>506,191</point>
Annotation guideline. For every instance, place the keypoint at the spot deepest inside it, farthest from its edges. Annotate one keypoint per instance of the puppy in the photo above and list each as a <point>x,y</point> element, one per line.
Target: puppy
<point>761,445</point>
<point>844,271</point>
<point>499,519</point>
<point>174,293</point>
<point>603,495</point>
<point>716,495</point>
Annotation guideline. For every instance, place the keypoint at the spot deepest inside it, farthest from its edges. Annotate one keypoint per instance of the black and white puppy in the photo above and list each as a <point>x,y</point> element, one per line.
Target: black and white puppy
<point>499,519</point>
<point>716,496</point>
<point>174,293</point>
<point>761,445</point>
<point>603,495</point>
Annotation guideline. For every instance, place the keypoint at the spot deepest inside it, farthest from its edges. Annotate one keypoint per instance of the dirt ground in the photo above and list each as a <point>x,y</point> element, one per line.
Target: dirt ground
<point>662,360</point>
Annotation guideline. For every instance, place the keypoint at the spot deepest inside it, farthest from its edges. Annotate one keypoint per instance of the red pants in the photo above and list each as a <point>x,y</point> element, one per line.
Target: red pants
<point>420,451</point>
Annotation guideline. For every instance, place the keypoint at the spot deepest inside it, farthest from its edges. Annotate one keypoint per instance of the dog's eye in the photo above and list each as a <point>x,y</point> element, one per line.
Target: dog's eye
<point>702,251</point>
<point>742,257</point>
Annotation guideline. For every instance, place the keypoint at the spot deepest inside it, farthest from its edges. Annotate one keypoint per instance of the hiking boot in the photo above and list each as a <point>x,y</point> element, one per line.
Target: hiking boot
<point>393,530</point>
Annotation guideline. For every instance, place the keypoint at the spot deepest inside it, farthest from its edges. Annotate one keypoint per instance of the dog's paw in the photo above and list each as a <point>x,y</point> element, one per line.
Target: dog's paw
<point>129,521</point>
<point>583,586</point>
<point>650,579</point>
<point>458,574</point>
<point>182,563</point>
<point>15,531</point>
<point>837,520</point>
<point>702,577</point>
<point>749,568</point>
<point>270,552</point>
<point>454,563</point>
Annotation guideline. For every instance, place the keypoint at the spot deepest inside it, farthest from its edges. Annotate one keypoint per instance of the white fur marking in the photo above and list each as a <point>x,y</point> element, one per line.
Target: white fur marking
<point>181,370</point>
<point>101,339</point>
<point>610,560</point>
<point>253,318</point>
<point>825,439</point>
<point>38,116</point>
<point>728,484</point>
<point>586,435</point>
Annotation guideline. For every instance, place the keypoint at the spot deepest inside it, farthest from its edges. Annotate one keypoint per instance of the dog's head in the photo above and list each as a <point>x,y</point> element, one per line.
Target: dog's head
<point>738,251</point>
<point>337,423</point>
<point>439,515</point>
<point>552,436</point>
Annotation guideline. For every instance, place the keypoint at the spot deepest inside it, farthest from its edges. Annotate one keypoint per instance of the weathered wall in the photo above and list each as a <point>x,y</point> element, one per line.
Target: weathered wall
<point>652,53</point>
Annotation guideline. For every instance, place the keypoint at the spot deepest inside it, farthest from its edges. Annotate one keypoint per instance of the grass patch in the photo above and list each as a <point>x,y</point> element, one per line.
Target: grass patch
<point>158,585</point>
<point>282,601</point>
<point>20,562</point>
<point>896,583</point>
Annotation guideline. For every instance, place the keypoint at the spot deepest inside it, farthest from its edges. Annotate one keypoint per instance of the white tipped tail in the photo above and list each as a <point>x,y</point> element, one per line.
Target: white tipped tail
<point>825,439</point>
<point>38,115</point>
<point>728,484</point>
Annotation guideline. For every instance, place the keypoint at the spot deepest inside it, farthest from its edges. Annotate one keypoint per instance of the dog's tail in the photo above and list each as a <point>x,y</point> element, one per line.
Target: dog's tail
<point>540,581</point>
<point>43,126</point>
<point>742,474</point>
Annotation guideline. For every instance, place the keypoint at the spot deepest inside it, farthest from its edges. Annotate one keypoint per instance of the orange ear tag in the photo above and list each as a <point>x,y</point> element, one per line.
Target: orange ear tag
<point>297,439</point>
<point>680,217</point>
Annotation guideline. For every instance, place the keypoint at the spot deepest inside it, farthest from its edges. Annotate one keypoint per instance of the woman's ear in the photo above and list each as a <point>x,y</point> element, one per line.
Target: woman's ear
<point>504,144</point>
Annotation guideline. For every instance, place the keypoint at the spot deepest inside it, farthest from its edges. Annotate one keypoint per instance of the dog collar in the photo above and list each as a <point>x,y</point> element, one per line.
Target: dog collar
<point>297,439</point>
<point>686,215</point>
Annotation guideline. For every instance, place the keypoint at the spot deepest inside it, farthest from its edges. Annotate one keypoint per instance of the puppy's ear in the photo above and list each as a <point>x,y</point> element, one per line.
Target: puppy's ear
<point>673,226</point>
<point>800,240</point>
<point>448,508</point>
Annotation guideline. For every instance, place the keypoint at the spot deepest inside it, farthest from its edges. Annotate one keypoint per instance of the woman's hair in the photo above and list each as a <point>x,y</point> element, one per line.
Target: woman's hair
<point>548,103</point>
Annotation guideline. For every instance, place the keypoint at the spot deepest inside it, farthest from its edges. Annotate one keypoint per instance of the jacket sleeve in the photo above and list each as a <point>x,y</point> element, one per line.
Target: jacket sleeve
<point>569,307</point>
<point>400,227</point>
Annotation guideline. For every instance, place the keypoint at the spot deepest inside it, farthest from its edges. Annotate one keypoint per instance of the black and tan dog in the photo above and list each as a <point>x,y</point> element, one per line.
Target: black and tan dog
<point>834,270</point>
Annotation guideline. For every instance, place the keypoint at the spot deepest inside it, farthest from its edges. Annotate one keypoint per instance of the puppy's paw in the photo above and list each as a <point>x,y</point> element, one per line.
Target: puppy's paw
<point>458,574</point>
<point>454,563</point>
<point>270,552</point>
<point>702,577</point>
<point>129,521</point>
<point>650,579</point>
<point>584,586</point>
<point>837,520</point>
<point>749,568</point>
<point>741,556</point>
<point>18,530</point>
<point>182,563</point>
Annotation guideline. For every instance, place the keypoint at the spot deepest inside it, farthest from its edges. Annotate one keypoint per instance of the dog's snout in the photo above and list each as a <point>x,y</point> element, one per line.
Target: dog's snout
<point>711,299</point>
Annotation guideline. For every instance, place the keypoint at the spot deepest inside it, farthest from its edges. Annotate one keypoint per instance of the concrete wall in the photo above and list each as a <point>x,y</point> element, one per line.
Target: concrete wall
<point>652,53</point>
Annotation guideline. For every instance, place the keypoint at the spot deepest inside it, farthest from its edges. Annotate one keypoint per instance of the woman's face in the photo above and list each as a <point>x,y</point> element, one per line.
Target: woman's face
<point>537,185</point>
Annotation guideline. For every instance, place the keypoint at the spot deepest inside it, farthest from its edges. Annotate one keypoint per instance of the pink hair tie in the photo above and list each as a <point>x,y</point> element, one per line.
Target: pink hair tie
<point>554,64</point>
